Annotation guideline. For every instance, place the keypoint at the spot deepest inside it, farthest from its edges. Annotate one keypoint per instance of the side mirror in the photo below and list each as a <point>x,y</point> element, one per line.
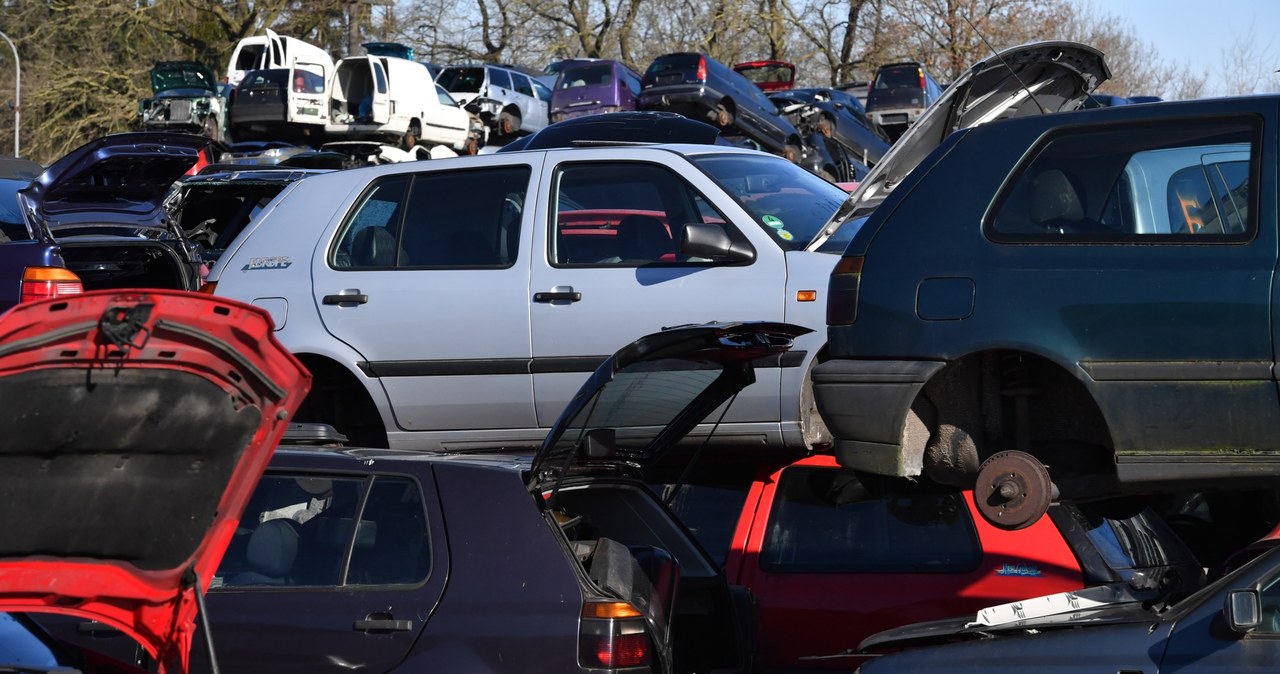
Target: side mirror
<point>1242,610</point>
<point>711,242</point>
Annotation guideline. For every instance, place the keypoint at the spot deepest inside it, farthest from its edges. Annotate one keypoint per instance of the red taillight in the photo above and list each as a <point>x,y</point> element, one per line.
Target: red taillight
<point>612,635</point>
<point>42,283</point>
<point>202,160</point>
<point>702,69</point>
<point>842,291</point>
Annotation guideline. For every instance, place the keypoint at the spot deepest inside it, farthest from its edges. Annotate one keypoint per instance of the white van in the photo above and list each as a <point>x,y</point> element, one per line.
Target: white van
<point>287,93</point>
<point>394,99</point>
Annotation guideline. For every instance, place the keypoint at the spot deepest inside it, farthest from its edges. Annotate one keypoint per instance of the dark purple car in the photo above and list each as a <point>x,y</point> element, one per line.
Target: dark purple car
<point>376,560</point>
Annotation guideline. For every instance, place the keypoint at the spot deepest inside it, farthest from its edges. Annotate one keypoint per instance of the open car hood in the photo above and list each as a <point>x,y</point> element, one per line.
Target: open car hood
<point>183,75</point>
<point>646,397</point>
<point>115,181</point>
<point>1032,79</point>
<point>136,426</point>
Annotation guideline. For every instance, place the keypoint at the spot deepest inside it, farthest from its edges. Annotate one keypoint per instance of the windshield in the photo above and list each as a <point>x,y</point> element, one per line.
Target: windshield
<point>461,80</point>
<point>789,202</point>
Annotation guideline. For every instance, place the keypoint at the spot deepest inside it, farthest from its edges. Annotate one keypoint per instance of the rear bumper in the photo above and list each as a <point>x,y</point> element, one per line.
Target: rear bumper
<point>681,98</point>
<point>865,404</point>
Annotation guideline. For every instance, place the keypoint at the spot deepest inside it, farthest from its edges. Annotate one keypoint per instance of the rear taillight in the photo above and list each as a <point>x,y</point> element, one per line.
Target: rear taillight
<point>42,283</point>
<point>842,291</point>
<point>921,72</point>
<point>612,636</point>
<point>702,69</point>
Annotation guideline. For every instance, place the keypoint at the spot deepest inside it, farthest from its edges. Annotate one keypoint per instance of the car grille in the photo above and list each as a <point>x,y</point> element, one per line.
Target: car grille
<point>179,111</point>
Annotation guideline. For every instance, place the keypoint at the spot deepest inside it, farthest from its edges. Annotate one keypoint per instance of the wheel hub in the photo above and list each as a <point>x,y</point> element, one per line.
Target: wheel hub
<point>1013,490</point>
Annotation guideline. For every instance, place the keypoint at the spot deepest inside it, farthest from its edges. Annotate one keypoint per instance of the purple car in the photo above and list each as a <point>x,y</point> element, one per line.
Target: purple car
<point>593,87</point>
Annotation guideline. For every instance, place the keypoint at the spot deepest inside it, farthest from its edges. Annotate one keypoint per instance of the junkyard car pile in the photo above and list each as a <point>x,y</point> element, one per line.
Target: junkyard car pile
<point>857,443</point>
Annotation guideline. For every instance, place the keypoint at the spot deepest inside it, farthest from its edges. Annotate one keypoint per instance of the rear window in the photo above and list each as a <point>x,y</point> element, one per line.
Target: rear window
<point>825,521</point>
<point>673,62</point>
<point>257,78</point>
<point>585,76</point>
<point>11,224</point>
<point>461,80</point>
<point>250,56</point>
<point>1190,181</point>
<point>897,76</point>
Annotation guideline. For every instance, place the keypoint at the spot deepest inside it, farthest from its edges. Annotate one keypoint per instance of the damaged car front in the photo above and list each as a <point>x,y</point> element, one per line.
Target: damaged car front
<point>185,98</point>
<point>136,426</point>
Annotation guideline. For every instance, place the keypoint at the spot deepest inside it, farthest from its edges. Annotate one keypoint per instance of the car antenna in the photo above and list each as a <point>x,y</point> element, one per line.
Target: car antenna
<point>1004,63</point>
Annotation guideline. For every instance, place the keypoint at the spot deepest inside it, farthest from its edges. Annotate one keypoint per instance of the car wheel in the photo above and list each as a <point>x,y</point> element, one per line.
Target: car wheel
<point>472,146</point>
<point>211,128</point>
<point>792,153</point>
<point>826,126</point>
<point>722,115</point>
<point>1013,490</point>
<point>508,123</point>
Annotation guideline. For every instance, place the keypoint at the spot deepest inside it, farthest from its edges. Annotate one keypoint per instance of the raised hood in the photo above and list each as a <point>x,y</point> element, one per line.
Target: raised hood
<point>644,399</point>
<point>1032,79</point>
<point>115,181</point>
<point>136,425</point>
<point>188,77</point>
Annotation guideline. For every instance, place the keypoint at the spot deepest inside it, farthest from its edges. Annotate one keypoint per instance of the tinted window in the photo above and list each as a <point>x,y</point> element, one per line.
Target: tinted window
<point>898,76</point>
<point>791,203</point>
<point>250,56</point>
<point>499,78</point>
<point>624,214</point>
<point>1190,182</point>
<point>711,512</point>
<point>824,521</point>
<point>673,62</point>
<point>275,77</point>
<point>464,218</point>
<point>1270,604</point>
<point>297,530</point>
<point>586,75</point>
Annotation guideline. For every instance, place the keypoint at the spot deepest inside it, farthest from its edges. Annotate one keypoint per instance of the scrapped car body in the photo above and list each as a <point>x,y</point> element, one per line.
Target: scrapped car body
<point>270,51</point>
<point>565,245</point>
<point>508,101</point>
<point>593,88</point>
<point>564,561</point>
<point>835,115</point>
<point>31,268</point>
<point>702,88</point>
<point>817,547</point>
<point>1230,626</point>
<point>1104,342</point>
<point>280,104</point>
<point>899,94</point>
<point>394,100</point>
<point>769,75</point>
<point>103,205</point>
<point>185,97</point>
<point>117,401</point>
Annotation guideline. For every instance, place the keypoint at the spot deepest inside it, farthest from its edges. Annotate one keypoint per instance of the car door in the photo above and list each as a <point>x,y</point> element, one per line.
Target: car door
<point>308,93</point>
<point>1202,642</point>
<point>533,112</point>
<point>609,270</point>
<point>426,278</point>
<point>300,589</point>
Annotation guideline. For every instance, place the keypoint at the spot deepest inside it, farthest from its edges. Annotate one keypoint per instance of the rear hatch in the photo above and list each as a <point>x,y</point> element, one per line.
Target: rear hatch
<point>586,88</point>
<point>898,86</point>
<point>136,426</point>
<point>675,69</point>
<point>261,97</point>
<point>768,75</point>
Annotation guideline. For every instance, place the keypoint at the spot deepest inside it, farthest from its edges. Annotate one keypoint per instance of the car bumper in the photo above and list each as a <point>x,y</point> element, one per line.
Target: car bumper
<point>865,405</point>
<point>697,97</point>
<point>896,116</point>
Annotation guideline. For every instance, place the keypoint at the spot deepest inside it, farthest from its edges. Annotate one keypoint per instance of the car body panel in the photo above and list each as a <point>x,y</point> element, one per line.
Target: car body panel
<point>490,90</point>
<point>185,98</point>
<point>106,553</point>
<point>593,87</point>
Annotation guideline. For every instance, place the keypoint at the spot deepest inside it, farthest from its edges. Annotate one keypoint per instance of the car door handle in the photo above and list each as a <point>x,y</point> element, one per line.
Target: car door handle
<point>382,625</point>
<point>558,296</point>
<point>356,297</point>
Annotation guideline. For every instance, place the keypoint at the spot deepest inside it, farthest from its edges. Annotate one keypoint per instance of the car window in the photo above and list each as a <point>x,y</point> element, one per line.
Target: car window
<point>461,80</point>
<point>12,226</point>
<point>789,202</point>
<point>711,512</point>
<point>1270,605</point>
<point>380,77</point>
<point>586,75</point>
<point>824,520</point>
<point>445,98</point>
<point>521,84</point>
<point>624,214</point>
<point>370,237</point>
<point>302,530</point>
<point>541,91</point>
<point>312,78</point>
<point>1185,182</point>
<point>499,78</point>
<point>250,56</point>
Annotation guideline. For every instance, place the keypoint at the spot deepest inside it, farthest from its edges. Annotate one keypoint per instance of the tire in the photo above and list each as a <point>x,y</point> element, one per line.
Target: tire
<point>211,128</point>
<point>411,136</point>
<point>723,116</point>
<point>508,123</point>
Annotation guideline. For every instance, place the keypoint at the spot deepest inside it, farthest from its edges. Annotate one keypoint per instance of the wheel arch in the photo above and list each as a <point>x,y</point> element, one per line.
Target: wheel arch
<point>341,399</point>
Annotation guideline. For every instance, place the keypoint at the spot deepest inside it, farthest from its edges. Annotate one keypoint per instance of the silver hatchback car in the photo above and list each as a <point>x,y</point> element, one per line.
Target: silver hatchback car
<point>447,303</point>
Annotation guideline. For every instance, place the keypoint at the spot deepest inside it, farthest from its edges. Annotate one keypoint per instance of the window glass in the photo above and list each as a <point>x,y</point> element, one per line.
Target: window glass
<point>392,547</point>
<point>824,521</point>
<point>1270,604</point>
<point>792,204</point>
<point>308,78</point>
<point>625,214</point>
<point>370,237</point>
<point>250,57</point>
<point>711,512</point>
<point>1187,182</point>
<point>586,75</point>
<point>541,91</point>
<point>522,84</point>
<point>461,80</point>
<point>464,218</point>
<point>381,78</point>
<point>499,78</point>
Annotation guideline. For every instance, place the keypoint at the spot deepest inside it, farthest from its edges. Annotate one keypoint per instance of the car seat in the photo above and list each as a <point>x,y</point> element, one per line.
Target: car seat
<point>272,550</point>
<point>1055,204</point>
<point>373,247</point>
<point>643,238</point>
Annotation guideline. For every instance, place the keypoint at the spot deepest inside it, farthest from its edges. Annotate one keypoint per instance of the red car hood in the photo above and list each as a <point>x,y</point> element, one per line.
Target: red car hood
<point>136,425</point>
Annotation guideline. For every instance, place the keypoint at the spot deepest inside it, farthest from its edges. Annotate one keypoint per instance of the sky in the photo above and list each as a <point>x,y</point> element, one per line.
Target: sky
<point>1197,32</point>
